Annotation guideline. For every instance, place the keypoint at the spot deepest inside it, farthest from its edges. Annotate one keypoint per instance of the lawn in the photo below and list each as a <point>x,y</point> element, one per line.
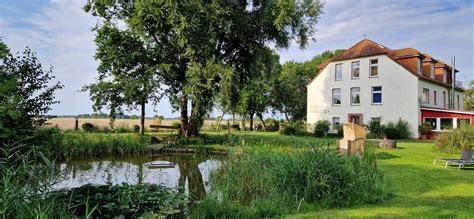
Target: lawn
<point>419,188</point>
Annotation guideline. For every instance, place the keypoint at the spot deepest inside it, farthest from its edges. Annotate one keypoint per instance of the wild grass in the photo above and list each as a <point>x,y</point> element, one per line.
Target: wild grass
<point>76,144</point>
<point>264,183</point>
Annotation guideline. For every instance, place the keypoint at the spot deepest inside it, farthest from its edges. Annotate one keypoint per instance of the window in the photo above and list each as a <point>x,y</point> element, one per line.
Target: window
<point>463,121</point>
<point>444,99</point>
<point>426,95</point>
<point>434,98</point>
<point>445,74</point>
<point>336,96</point>
<point>432,70</point>
<point>377,95</point>
<point>336,121</point>
<point>432,121</point>
<point>355,70</point>
<point>446,123</point>
<point>355,96</point>
<point>374,67</point>
<point>338,72</point>
<point>420,65</point>
<point>458,102</point>
<point>376,119</point>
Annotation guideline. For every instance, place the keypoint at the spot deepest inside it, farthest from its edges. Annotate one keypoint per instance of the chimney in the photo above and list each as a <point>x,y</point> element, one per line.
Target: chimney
<point>453,81</point>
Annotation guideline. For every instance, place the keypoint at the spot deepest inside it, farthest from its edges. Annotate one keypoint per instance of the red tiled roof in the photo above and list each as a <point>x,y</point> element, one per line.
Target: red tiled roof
<point>368,47</point>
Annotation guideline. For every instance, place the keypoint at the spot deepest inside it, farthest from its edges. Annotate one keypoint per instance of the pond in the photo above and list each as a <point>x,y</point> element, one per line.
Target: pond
<point>187,174</point>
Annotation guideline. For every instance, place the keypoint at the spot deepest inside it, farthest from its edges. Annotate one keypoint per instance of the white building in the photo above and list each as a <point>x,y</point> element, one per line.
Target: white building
<point>370,81</point>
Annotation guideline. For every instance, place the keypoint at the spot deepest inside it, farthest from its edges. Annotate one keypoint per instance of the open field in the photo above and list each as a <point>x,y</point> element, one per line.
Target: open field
<point>68,123</point>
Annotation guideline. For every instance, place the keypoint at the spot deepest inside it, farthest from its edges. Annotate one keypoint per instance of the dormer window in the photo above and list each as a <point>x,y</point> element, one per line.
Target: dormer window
<point>420,65</point>
<point>432,70</point>
<point>445,75</point>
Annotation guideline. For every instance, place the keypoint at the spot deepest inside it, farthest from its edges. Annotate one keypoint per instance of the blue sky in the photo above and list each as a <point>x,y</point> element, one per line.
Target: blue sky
<point>59,31</point>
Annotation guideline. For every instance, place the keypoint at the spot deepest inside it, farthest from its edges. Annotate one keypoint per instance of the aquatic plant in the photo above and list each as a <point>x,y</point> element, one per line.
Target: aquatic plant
<point>266,184</point>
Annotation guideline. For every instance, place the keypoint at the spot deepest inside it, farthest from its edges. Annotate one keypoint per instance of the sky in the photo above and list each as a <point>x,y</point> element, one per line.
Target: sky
<point>59,31</point>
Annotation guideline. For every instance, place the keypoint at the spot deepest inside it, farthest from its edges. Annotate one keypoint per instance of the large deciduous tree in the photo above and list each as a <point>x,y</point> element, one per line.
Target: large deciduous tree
<point>127,72</point>
<point>26,94</point>
<point>289,88</point>
<point>469,97</point>
<point>198,37</point>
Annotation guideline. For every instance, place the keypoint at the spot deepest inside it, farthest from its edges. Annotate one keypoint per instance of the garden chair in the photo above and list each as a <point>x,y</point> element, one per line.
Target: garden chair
<point>467,158</point>
<point>354,138</point>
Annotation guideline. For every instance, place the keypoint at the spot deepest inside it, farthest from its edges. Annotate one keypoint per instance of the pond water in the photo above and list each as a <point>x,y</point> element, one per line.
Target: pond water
<point>185,173</point>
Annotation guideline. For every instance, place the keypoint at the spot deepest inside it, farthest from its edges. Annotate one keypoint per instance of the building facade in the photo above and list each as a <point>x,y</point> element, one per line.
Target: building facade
<point>370,81</point>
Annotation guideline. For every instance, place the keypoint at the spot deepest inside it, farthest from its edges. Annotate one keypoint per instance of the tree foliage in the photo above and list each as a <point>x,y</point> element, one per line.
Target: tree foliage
<point>289,87</point>
<point>469,97</point>
<point>26,94</point>
<point>127,72</point>
<point>203,35</point>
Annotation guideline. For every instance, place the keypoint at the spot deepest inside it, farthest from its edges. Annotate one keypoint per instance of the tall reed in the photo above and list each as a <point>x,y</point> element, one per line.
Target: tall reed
<point>266,184</point>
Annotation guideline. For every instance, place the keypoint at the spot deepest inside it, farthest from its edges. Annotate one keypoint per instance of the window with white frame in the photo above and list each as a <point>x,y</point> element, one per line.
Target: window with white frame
<point>355,96</point>
<point>376,119</point>
<point>435,98</point>
<point>374,67</point>
<point>355,70</point>
<point>426,95</point>
<point>338,72</point>
<point>336,121</point>
<point>432,70</point>
<point>445,74</point>
<point>336,96</point>
<point>420,65</point>
<point>377,95</point>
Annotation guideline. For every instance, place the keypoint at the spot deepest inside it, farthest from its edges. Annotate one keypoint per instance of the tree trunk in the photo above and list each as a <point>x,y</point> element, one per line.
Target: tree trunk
<point>242,122</point>
<point>219,121</point>
<point>251,121</point>
<point>184,114</point>
<point>233,118</point>
<point>196,120</point>
<point>261,119</point>
<point>286,116</point>
<point>142,119</point>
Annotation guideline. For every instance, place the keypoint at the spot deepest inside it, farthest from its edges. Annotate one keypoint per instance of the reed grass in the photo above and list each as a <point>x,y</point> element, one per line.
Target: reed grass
<point>267,184</point>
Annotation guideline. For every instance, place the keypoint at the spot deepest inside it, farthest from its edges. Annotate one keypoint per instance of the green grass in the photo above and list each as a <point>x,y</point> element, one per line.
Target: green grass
<point>420,189</point>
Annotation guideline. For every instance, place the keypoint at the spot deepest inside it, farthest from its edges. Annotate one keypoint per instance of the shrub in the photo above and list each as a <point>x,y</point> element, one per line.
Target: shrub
<point>376,129</point>
<point>340,130</point>
<point>235,126</point>
<point>321,128</point>
<point>295,128</point>
<point>318,178</point>
<point>49,138</point>
<point>272,124</point>
<point>176,125</point>
<point>456,140</point>
<point>88,127</point>
<point>399,130</point>
<point>136,128</point>
<point>425,128</point>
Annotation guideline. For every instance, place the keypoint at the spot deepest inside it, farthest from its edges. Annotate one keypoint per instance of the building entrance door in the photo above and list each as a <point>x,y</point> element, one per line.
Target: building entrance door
<point>356,119</point>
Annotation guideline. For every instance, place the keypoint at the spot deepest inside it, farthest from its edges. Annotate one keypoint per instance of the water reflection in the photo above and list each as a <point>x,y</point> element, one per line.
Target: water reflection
<point>186,174</point>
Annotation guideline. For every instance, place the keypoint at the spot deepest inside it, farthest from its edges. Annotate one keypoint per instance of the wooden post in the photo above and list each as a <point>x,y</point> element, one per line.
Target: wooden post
<point>76,124</point>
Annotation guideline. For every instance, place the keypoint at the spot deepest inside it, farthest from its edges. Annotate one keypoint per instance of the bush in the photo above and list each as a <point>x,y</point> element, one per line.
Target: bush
<point>319,178</point>
<point>176,125</point>
<point>49,138</point>
<point>295,128</point>
<point>456,140</point>
<point>235,126</point>
<point>376,129</point>
<point>399,130</point>
<point>425,128</point>
<point>340,130</point>
<point>272,124</point>
<point>226,139</point>
<point>88,127</point>
<point>321,128</point>
<point>136,128</point>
